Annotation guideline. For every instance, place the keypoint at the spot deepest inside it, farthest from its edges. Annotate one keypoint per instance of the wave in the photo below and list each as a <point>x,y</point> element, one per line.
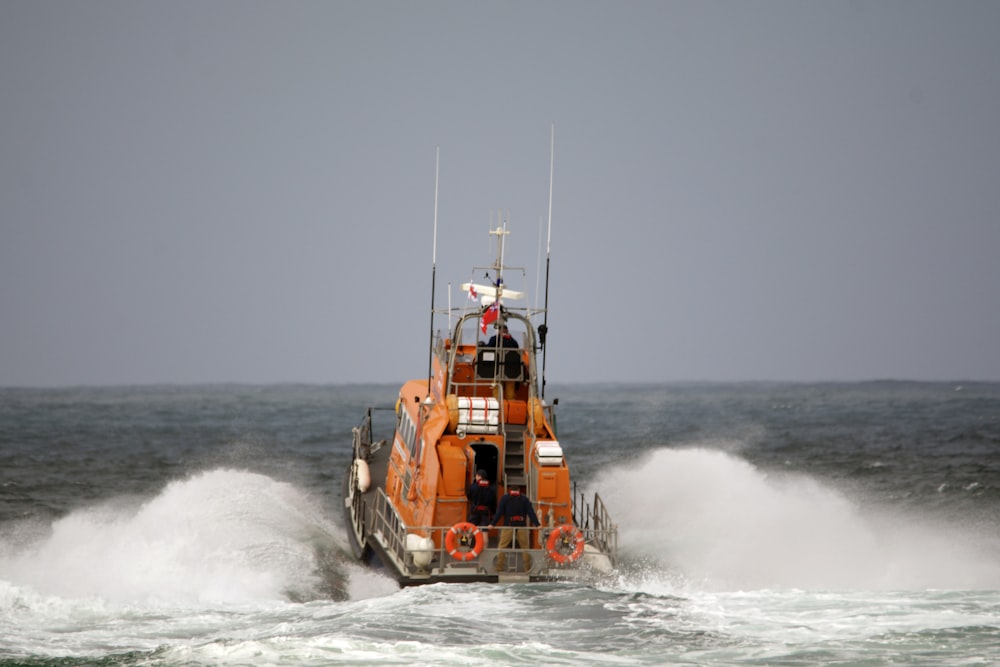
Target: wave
<point>222,536</point>
<point>711,519</point>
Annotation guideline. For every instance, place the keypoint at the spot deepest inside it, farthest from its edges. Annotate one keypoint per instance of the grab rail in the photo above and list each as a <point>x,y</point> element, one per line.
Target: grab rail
<point>392,534</point>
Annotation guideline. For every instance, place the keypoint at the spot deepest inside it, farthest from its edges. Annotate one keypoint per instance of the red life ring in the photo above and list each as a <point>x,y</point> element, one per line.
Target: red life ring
<point>459,536</point>
<point>565,544</point>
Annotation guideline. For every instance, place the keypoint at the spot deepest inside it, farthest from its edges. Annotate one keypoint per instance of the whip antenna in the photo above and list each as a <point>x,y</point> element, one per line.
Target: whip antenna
<point>538,266</point>
<point>434,250</point>
<point>544,329</point>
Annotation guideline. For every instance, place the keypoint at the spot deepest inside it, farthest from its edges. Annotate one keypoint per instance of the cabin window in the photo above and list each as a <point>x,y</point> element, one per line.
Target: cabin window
<point>399,426</point>
<point>407,431</point>
<point>407,479</point>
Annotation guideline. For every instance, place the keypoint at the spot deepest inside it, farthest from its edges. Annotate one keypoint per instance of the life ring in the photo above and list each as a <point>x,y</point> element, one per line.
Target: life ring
<point>565,544</point>
<point>459,536</point>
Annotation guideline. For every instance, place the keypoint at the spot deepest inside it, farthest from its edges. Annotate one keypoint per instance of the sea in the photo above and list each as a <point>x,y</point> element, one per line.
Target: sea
<point>760,524</point>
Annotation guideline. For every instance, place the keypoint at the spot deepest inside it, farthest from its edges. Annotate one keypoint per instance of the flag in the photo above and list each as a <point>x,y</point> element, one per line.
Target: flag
<point>489,316</point>
<point>473,294</point>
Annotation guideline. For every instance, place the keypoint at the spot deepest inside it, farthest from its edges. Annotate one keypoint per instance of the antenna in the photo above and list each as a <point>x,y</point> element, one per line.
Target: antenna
<point>503,233</point>
<point>544,329</point>
<point>538,265</point>
<point>552,169</point>
<point>434,251</point>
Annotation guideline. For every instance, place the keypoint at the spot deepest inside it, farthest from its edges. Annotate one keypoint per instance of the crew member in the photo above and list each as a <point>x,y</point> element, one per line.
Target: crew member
<point>506,340</point>
<point>482,499</point>
<point>517,514</point>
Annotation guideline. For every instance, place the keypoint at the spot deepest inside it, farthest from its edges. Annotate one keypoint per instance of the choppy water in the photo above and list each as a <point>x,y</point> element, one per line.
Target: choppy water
<point>760,525</point>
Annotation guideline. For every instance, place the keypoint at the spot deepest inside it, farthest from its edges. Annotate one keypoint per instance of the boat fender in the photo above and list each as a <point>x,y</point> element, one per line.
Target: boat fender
<point>451,401</point>
<point>464,535</point>
<point>565,544</point>
<point>362,474</point>
<point>537,412</point>
<point>421,548</point>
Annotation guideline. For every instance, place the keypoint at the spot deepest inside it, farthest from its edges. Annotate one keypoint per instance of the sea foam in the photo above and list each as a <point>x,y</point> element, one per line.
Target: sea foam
<point>219,536</point>
<point>720,522</point>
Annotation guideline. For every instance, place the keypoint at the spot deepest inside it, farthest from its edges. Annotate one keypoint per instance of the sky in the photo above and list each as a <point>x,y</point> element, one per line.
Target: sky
<point>243,191</point>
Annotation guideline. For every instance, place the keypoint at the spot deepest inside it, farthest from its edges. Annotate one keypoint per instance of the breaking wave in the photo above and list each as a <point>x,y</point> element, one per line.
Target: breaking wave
<point>714,520</point>
<point>220,536</point>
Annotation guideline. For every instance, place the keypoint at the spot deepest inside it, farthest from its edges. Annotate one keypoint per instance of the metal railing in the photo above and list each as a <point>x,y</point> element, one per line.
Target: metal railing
<point>597,520</point>
<point>434,560</point>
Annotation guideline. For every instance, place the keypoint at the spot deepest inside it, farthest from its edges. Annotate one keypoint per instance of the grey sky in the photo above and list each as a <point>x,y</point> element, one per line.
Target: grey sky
<point>243,191</point>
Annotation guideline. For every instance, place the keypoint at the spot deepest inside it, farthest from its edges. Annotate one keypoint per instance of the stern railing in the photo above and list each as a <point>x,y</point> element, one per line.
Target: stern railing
<point>422,562</point>
<point>596,518</point>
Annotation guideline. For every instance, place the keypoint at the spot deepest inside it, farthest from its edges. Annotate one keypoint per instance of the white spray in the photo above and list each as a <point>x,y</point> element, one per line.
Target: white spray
<point>719,522</point>
<point>221,536</point>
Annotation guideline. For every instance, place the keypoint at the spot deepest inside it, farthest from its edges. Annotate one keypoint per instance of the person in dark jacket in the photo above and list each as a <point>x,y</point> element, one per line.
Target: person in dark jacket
<point>517,513</point>
<point>482,499</point>
<point>505,339</point>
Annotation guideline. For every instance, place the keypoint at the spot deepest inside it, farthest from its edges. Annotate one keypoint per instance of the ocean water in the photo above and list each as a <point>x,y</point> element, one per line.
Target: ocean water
<point>777,524</point>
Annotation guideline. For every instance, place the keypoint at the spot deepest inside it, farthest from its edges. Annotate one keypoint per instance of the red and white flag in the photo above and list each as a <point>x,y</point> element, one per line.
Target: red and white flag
<point>473,294</point>
<point>489,316</point>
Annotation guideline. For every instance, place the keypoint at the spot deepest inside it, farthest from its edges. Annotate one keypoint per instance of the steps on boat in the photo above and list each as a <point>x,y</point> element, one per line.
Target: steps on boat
<point>513,461</point>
